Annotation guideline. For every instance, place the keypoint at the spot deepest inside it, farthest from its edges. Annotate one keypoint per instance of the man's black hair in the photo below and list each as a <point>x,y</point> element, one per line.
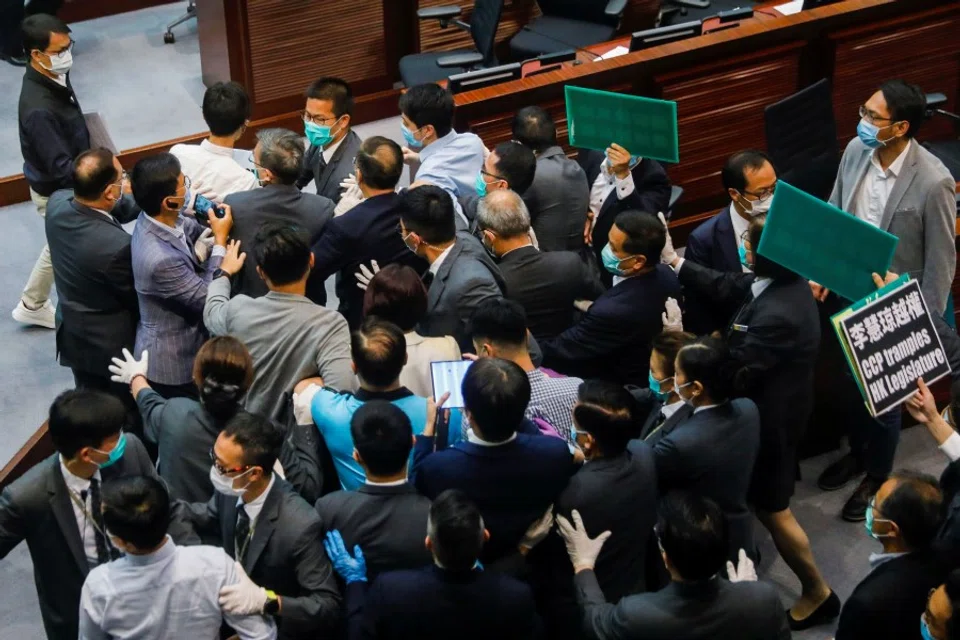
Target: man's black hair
<point>84,418</point>
<point>226,108</point>
<point>379,351</point>
<point>496,392</point>
<point>428,211</point>
<point>259,438</point>
<point>427,104</point>
<point>282,251</point>
<point>455,530</point>
<point>153,180</point>
<point>383,436</point>
<point>136,509</point>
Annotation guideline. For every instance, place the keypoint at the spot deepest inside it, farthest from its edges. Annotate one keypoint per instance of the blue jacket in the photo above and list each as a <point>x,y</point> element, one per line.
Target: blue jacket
<point>712,245</point>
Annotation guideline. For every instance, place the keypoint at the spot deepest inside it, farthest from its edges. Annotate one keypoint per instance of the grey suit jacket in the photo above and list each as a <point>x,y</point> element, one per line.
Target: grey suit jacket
<point>558,201</point>
<point>329,177</point>
<point>921,212</point>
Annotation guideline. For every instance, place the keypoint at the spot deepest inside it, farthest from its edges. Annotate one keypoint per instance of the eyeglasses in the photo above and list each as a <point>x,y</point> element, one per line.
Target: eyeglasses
<point>307,117</point>
<point>871,117</point>
<point>69,47</point>
<point>222,469</point>
<point>763,194</point>
<point>125,177</point>
<point>484,172</point>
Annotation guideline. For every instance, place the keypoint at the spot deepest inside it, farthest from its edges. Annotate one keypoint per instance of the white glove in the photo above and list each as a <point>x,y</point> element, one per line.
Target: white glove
<point>669,254</point>
<point>129,368</point>
<point>366,275</point>
<point>672,318</point>
<point>745,571</point>
<point>349,181</point>
<point>583,305</point>
<point>582,549</point>
<point>243,598</point>
<point>537,531</point>
<point>351,198</point>
<point>204,245</point>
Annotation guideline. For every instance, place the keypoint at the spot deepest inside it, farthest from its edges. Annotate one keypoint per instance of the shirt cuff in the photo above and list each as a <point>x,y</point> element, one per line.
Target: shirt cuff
<point>302,402</point>
<point>218,250</point>
<point>680,262</point>
<point>625,187</point>
<point>951,446</point>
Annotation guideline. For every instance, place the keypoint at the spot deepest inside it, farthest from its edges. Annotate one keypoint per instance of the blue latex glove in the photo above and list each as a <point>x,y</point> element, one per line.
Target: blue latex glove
<point>351,569</point>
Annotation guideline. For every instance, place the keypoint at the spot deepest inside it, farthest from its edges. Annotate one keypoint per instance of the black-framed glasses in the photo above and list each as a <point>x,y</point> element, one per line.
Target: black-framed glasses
<point>872,117</point>
<point>222,469</point>
<point>763,194</point>
<point>308,117</point>
<point>69,47</point>
<point>484,172</point>
<point>125,177</point>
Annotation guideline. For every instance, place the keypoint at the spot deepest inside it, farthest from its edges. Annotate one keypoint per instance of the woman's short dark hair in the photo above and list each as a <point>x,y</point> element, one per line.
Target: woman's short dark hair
<point>396,294</point>
<point>223,372</point>
<point>707,360</point>
<point>668,345</point>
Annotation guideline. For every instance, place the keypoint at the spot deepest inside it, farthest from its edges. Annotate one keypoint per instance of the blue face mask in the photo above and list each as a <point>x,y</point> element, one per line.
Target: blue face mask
<point>319,135</point>
<point>655,387</point>
<point>743,256</point>
<point>408,137</point>
<point>611,262</point>
<point>867,133</point>
<point>114,454</point>
<point>925,630</point>
<point>868,523</point>
<point>481,185</point>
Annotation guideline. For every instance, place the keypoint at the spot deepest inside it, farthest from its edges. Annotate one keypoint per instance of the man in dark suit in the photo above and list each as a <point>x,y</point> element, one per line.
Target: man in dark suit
<point>660,409</point>
<point>905,518</point>
<point>545,284</point>
<point>264,525</point>
<point>612,340</point>
<point>461,276</point>
<point>454,597</point>
<point>368,231</point>
<point>55,506</point>
<point>620,182</point>
<point>333,143</point>
<point>697,604</point>
<point>559,197</point>
<point>509,166</point>
<point>385,516</point>
<point>277,159</point>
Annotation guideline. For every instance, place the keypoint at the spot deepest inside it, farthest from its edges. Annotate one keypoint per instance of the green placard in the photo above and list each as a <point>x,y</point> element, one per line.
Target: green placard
<point>643,126</point>
<point>824,244</point>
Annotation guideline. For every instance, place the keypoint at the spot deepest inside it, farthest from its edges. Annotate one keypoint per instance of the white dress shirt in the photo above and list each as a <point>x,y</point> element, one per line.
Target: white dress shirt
<point>255,506</point>
<point>951,447</point>
<point>435,266</point>
<point>739,228</point>
<point>605,183</point>
<point>475,439</point>
<point>669,409</point>
<point>214,168</point>
<point>80,488</point>
<point>759,286</point>
<point>876,187</point>
<point>177,230</point>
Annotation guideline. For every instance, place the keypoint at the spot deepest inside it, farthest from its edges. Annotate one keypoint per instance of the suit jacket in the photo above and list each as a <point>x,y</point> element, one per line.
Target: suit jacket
<point>329,176</point>
<point>285,554</point>
<point>366,232</point>
<point>652,427</point>
<point>435,604</point>
<point>97,307</point>
<point>466,279</point>
<point>921,212</point>
<point>171,288</point>
<point>37,508</point>
<point>712,454</point>
<point>276,203</point>
<point>545,284</point>
<point>558,200</point>
<point>612,339</point>
<point>388,522</point>
<point>710,610</point>
<point>712,244</point>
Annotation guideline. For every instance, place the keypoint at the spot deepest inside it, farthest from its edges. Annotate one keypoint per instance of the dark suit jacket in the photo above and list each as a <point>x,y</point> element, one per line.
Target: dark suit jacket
<point>434,604</point>
<point>652,429</point>
<point>612,340</point>
<point>713,245</point>
<point>37,508</point>
<point>711,610</point>
<point>388,522</point>
<point>366,232</point>
<point>276,203</point>
<point>97,308</point>
<point>558,200</point>
<point>712,454</point>
<point>545,284</point>
<point>329,177</point>
<point>285,555</point>
<point>617,495</point>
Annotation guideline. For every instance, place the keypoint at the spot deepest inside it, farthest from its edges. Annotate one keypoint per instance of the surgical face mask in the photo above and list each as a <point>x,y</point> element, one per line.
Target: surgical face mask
<point>409,137</point>
<point>414,248</point>
<point>754,208</point>
<point>611,262</point>
<point>655,387</point>
<point>224,483</point>
<point>319,135</point>
<point>867,132</point>
<point>488,246</point>
<point>743,256</point>
<point>924,629</point>
<point>868,523</point>
<point>689,400</point>
<point>60,63</point>
<point>481,185</point>
<point>114,454</point>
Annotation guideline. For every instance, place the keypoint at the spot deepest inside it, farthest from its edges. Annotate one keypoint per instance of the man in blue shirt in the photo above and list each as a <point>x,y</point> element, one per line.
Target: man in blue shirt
<point>379,352</point>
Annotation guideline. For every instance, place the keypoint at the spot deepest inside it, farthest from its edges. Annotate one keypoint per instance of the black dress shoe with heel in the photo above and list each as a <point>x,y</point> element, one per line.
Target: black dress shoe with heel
<point>828,610</point>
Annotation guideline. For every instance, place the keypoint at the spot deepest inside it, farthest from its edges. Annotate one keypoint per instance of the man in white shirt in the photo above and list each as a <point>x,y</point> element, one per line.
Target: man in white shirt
<point>210,165</point>
<point>158,589</point>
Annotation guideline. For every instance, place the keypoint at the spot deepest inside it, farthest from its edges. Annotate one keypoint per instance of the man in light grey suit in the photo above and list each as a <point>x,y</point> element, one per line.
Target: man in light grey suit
<point>461,277</point>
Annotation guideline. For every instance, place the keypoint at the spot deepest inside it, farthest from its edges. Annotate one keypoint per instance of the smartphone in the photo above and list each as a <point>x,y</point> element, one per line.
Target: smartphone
<point>447,376</point>
<point>203,206</point>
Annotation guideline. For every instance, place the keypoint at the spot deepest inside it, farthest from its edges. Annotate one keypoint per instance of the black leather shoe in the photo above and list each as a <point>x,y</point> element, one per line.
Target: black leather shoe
<point>827,611</point>
<point>839,473</point>
<point>855,510</point>
<point>17,61</point>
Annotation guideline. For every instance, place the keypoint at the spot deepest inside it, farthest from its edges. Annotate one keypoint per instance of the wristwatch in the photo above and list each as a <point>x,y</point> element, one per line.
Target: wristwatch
<point>220,272</point>
<point>272,606</point>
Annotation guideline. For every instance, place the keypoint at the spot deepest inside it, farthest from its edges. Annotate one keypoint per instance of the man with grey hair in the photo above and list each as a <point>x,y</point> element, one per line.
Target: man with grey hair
<point>277,161</point>
<point>545,284</point>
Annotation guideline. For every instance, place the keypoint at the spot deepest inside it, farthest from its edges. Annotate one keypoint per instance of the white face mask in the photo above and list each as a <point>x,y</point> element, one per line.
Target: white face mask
<point>224,483</point>
<point>61,63</point>
<point>756,207</point>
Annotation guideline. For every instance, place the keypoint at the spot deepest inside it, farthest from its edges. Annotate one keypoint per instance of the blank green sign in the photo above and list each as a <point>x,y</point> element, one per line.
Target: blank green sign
<point>643,126</point>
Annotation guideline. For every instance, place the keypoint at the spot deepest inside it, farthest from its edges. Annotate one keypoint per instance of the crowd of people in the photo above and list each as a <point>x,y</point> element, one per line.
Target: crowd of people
<point>239,459</point>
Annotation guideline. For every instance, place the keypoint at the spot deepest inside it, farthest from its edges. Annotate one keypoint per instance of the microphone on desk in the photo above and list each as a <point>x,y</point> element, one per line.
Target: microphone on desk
<point>563,42</point>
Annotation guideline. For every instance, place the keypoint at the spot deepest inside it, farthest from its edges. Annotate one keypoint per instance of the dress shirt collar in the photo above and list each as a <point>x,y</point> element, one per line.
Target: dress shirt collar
<point>435,267</point>
<point>255,506</point>
<point>168,550</point>
<point>759,286</point>
<point>669,409</point>
<point>75,483</point>
<point>526,246</point>
<point>289,297</point>
<point>177,230</point>
<point>395,483</point>
<point>365,395</point>
<point>328,151</point>
<point>437,145</point>
<point>475,439</point>
<point>106,213</point>
<point>877,559</point>
<point>705,407</point>
<point>896,166</point>
<point>216,149</point>
<point>738,223</point>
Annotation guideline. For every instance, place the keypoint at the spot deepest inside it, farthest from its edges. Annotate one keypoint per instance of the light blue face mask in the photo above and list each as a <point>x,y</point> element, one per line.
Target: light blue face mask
<point>114,454</point>
<point>409,138</point>
<point>319,135</point>
<point>611,262</point>
<point>743,257</point>
<point>481,185</point>
<point>656,389</point>
<point>867,133</point>
<point>868,523</point>
<point>925,630</point>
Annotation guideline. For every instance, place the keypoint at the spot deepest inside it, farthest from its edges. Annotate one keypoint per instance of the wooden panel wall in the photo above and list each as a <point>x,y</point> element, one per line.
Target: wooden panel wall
<point>516,13</point>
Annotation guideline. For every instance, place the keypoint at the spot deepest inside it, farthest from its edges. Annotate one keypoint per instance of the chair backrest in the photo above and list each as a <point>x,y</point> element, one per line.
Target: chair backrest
<point>483,27</point>
<point>802,139</point>
<point>583,10</point>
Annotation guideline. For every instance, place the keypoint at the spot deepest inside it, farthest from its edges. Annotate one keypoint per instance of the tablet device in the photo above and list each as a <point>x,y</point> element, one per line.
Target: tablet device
<point>447,376</point>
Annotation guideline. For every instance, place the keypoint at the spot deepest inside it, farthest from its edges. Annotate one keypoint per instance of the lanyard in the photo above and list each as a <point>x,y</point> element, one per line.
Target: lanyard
<point>88,517</point>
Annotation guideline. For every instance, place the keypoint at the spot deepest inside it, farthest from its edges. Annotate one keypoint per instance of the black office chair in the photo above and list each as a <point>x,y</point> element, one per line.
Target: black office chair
<point>567,24</point>
<point>435,66</point>
<point>947,150</point>
<point>168,37</point>
<point>802,139</point>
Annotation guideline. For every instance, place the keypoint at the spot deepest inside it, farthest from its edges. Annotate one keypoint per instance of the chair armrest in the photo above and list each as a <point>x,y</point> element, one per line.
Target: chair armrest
<point>438,13</point>
<point>615,8</point>
<point>463,60</point>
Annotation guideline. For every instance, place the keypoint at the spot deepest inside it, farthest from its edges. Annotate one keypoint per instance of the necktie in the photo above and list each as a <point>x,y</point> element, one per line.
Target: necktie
<point>427,279</point>
<point>105,551</point>
<point>321,163</point>
<point>241,536</point>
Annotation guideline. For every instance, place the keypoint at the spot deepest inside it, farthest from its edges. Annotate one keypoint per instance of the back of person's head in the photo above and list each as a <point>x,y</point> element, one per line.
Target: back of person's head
<point>428,211</point>
<point>516,164</point>
<point>607,412</point>
<point>952,589</point>
<point>496,393</point>
<point>258,437</point>
<point>428,104</point>
<point>914,505</point>
<point>504,213</point>
<point>380,163</point>
<point>692,532</point>
<point>136,509</point>
<point>645,235</point>
<point>282,252</point>
<point>500,324</point>
<point>534,127</point>
<point>36,31</point>
<point>455,531</point>
<point>734,173</point>
<point>379,352</point>
<point>708,368</point>
<point>281,152</point>
<point>335,90</point>
<point>82,418</point>
<point>93,172</point>
<point>223,372</point>
<point>667,344</point>
<point>906,103</point>
<point>762,266</point>
<point>396,294</point>
<point>382,436</point>
<point>153,180</point>
<point>226,108</point>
